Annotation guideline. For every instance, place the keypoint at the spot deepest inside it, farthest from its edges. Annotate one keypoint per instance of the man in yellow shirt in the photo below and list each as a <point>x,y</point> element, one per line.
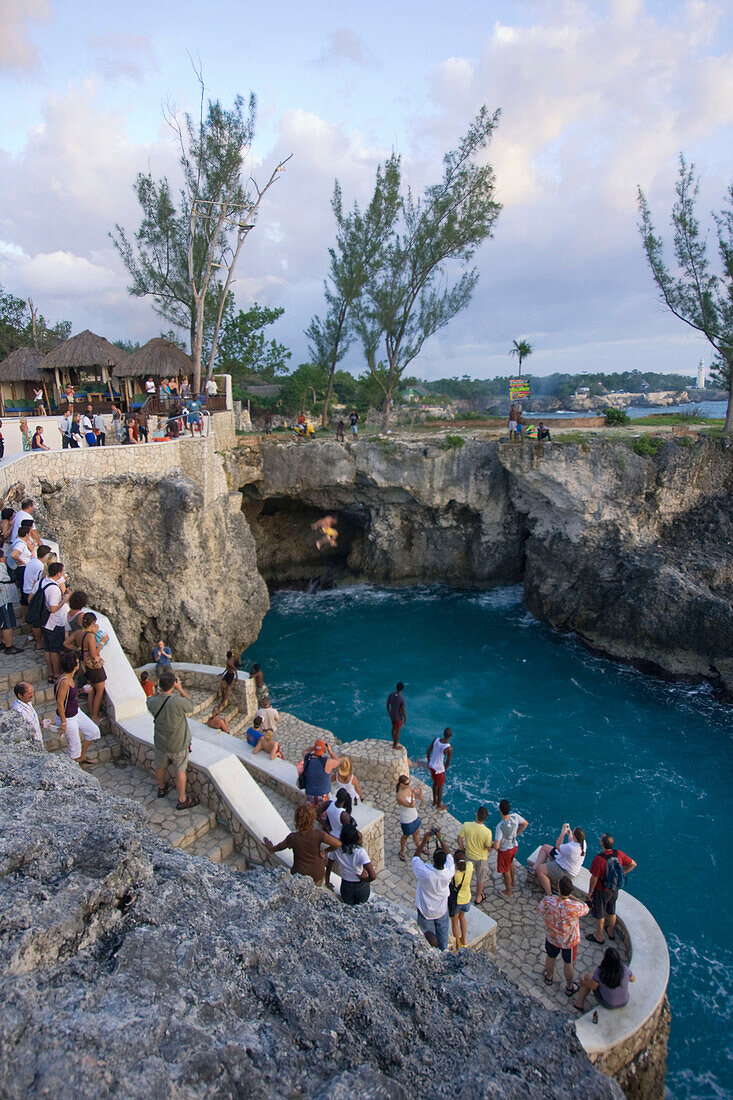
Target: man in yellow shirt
<point>475,839</point>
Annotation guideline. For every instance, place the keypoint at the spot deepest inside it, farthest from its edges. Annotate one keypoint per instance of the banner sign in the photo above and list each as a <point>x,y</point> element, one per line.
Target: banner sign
<point>518,389</point>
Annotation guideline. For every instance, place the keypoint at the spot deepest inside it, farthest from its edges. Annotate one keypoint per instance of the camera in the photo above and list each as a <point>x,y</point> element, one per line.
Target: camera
<point>434,832</point>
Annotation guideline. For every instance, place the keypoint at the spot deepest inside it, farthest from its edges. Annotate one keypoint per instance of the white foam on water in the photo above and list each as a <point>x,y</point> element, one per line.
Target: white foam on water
<point>507,596</point>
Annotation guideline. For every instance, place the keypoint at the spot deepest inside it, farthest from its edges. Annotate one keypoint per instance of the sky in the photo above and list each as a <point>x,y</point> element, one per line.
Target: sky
<point>595,97</point>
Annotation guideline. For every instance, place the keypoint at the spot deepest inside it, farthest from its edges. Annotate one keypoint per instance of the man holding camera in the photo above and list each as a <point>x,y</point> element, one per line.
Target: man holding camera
<point>172,737</point>
<point>431,896</point>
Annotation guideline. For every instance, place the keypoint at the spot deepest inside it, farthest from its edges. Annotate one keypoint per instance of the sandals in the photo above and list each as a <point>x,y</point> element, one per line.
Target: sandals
<point>163,791</point>
<point>481,900</point>
<point>548,981</point>
<point>402,858</point>
<point>593,939</point>
<point>572,990</point>
<point>10,649</point>
<point>580,1008</point>
<point>189,804</point>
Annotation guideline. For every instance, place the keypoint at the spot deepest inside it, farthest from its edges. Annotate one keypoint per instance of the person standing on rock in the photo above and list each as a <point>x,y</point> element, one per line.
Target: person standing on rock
<point>439,756</point>
<point>512,424</point>
<point>162,656</point>
<point>353,421</point>
<point>172,737</point>
<point>407,797</point>
<point>256,674</point>
<point>562,932</point>
<point>433,888</point>
<point>23,705</point>
<point>270,717</point>
<point>397,712</point>
<point>509,828</point>
<point>475,838</point>
<point>230,675</point>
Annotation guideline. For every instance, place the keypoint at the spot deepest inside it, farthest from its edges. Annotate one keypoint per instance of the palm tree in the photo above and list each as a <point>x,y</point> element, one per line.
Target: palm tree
<point>520,348</point>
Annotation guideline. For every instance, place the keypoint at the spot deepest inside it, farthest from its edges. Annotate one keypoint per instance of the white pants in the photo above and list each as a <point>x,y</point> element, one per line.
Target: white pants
<point>79,724</point>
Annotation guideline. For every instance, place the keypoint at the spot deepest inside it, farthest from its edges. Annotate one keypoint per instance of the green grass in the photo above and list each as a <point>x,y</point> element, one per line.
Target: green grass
<point>689,416</point>
<point>451,443</point>
<point>647,445</point>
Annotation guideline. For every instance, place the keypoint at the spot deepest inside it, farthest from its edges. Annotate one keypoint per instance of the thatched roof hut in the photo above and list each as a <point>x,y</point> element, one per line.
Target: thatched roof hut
<point>23,365</point>
<point>85,351</point>
<point>158,358</point>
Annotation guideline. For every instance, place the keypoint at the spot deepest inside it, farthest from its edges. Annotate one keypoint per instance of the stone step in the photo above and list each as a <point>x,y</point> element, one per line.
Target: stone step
<point>235,862</point>
<point>217,845</point>
<point>204,702</point>
<point>238,724</point>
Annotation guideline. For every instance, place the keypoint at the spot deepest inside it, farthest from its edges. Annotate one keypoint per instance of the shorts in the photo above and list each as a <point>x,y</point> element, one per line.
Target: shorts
<point>464,907</point>
<point>78,726</point>
<point>505,859</point>
<point>397,724</point>
<point>438,779</point>
<point>228,678</point>
<point>354,893</point>
<point>7,617</point>
<point>353,429</point>
<point>410,827</point>
<point>195,419</point>
<point>53,640</point>
<point>19,574</point>
<point>555,871</point>
<point>480,873</point>
<point>568,953</point>
<point>95,675</point>
<point>176,760</point>
<point>603,903</point>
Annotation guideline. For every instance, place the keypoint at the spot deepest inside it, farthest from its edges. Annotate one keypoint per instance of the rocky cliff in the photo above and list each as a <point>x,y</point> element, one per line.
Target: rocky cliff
<point>632,552</point>
<point>131,970</point>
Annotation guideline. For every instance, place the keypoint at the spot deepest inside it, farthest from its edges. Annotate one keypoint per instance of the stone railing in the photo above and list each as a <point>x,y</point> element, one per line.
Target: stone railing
<point>196,457</point>
<point>621,1035</point>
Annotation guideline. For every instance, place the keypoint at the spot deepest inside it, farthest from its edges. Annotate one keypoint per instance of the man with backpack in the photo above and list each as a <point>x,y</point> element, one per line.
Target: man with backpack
<point>315,779</point>
<point>607,874</point>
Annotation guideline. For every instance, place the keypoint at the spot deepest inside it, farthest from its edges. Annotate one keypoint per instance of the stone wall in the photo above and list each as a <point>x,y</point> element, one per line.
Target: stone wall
<point>640,1064</point>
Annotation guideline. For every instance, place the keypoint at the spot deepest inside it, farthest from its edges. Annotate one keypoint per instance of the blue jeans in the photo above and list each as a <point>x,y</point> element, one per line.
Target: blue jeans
<point>440,927</point>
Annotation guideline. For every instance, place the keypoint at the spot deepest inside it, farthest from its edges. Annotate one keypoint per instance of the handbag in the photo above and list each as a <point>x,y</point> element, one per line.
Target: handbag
<point>453,892</point>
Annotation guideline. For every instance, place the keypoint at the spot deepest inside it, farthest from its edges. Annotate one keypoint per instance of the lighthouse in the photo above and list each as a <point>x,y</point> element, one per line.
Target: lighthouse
<point>701,375</point>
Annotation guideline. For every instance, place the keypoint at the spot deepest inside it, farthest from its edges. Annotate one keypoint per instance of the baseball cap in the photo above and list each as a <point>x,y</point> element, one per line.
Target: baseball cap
<point>319,748</point>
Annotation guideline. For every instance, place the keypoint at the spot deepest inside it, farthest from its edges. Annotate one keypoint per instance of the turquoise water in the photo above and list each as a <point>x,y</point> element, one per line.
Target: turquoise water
<point>565,736</point>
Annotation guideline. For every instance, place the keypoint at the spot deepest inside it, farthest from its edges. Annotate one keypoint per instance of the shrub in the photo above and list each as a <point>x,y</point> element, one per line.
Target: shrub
<point>451,442</point>
<point>647,445</point>
<point>616,417</point>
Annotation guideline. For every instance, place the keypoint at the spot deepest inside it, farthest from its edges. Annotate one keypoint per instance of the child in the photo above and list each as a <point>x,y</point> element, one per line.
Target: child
<point>147,684</point>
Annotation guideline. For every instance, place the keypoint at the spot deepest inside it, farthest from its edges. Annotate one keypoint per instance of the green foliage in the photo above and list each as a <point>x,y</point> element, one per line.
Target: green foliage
<point>647,445</point>
<point>305,387</point>
<point>694,292</point>
<point>621,462</point>
<point>685,441</point>
<point>452,443</point>
<point>617,417</point>
<point>394,258</point>
<point>522,349</point>
<point>243,350</point>
<point>16,326</point>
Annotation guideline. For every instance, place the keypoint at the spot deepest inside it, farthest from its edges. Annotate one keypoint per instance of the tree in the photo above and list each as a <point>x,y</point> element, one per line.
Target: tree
<point>22,326</point>
<point>694,293</point>
<point>359,241</point>
<point>307,383</point>
<point>407,295</point>
<point>177,250</point>
<point>522,349</point>
<point>243,349</point>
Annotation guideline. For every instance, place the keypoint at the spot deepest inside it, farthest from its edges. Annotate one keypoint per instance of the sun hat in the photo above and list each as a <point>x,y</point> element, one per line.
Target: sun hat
<point>319,748</point>
<point>344,769</point>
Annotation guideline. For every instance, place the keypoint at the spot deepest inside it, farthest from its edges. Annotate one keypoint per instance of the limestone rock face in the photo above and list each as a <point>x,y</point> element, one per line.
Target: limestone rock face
<point>161,562</point>
<point>131,970</point>
<point>407,512</point>
<point>633,553</point>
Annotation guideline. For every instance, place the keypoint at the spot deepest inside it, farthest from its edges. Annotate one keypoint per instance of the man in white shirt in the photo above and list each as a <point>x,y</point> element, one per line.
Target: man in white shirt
<point>431,896</point>
<point>505,843</point>
<point>150,387</point>
<point>67,440</point>
<point>268,714</point>
<point>23,704</point>
<point>54,632</point>
<point>439,757</point>
<point>25,512</point>
<point>100,428</point>
<point>211,388</point>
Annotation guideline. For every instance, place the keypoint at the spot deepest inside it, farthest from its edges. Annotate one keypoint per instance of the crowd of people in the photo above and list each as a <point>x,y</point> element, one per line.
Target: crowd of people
<point>62,626</point>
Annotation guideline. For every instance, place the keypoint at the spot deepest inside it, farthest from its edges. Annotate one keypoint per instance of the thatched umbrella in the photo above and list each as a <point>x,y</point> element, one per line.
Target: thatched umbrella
<point>85,352</point>
<point>158,358</point>
<point>23,365</point>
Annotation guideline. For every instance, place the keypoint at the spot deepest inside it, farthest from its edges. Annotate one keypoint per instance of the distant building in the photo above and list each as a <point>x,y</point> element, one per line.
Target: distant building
<point>701,375</point>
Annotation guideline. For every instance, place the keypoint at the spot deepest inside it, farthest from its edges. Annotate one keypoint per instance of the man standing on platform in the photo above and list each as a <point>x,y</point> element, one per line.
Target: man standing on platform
<point>475,839</point>
<point>397,712</point>
<point>171,737</point>
<point>439,756</point>
<point>433,885</point>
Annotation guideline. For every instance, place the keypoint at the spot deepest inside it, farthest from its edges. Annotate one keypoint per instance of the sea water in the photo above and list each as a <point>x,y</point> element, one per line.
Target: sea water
<point>565,736</point>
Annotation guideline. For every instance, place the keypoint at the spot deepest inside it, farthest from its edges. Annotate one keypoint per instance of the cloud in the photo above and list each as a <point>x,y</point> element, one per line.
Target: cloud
<point>16,50</point>
<point>343,45</point>
<point>122,55</point>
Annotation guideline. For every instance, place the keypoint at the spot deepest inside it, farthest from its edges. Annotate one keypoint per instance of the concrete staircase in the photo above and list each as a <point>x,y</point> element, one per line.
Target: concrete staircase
<point>195,831</point>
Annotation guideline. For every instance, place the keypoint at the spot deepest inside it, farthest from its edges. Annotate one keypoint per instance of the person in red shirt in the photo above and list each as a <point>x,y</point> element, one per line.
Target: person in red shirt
<point>147,684</point>
<point>601,898</point>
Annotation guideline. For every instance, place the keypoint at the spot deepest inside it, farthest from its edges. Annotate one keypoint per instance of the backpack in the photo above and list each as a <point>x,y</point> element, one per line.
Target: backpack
<point>453,892</point>
<point>301,776</point>
<point>37,613</point>
<point>613,878</point>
